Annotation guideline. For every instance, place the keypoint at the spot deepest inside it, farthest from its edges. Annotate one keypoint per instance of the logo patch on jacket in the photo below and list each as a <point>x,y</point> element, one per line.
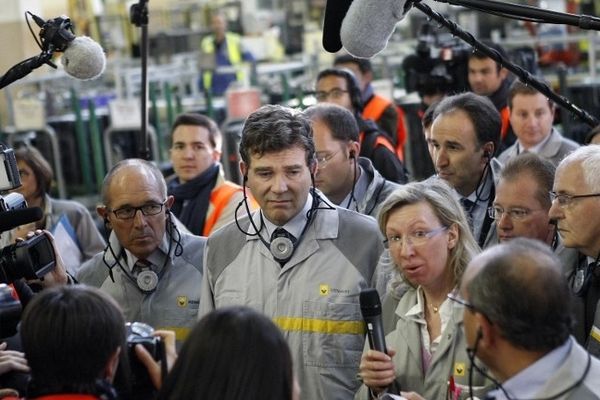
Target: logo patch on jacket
<point>323,290</point>
<point>182,301</point>
<point>459,369</point>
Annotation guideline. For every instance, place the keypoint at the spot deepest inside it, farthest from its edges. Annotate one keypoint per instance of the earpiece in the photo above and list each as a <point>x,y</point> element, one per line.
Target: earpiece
<point>487,154</point>
<point>352,154</point>
<point>245,179</point>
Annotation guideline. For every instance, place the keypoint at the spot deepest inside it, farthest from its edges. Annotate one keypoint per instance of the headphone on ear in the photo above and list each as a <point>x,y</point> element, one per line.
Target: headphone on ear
<point>352,154</point>
<point>487,154</point>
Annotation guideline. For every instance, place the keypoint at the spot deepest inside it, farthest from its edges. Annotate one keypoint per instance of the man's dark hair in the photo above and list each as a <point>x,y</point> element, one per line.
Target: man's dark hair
<point>363,64</point>
<point>273,128</point>
<point>495,46</point>
<point>69,334</point>
<point>193,119</point>
<point>518,87</point>
<point>233,353</point>
<point>429,115</point>
<point>480,110</point>
<point>351,84</point>
<point>340,121</point>
<point>521,290</point>
<point>539,169</point>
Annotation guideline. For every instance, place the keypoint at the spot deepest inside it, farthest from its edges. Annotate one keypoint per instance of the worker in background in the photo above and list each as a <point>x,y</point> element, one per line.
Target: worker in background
<point>227,50</point>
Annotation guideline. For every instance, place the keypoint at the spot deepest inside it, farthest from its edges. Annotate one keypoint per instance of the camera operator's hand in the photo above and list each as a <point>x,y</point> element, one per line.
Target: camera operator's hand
<point>154,367</point>
<point>11,360</point>
<point>58,275</point>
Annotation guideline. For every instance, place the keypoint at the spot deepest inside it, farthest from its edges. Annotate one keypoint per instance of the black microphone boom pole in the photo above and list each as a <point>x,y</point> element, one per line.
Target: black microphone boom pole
<point>139,17</point>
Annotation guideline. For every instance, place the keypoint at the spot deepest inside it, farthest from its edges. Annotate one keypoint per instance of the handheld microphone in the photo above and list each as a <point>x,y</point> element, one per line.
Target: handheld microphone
<point>369,24</point>
<point>370,307</point>
<point>83,58</point>
<point>13,218</point>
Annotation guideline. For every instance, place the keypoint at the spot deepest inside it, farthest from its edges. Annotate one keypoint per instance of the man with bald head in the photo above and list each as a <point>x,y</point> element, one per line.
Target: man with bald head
<point>149,267</point>
<point>517,321</point>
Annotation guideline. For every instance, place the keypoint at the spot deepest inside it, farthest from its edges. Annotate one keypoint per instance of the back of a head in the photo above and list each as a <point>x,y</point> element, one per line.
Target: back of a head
<point>274,128</point>
<point>481,112</point>
<point>232,354</point>
<point>521,289</point>
<point>341,122</point>
<point>68,335</point>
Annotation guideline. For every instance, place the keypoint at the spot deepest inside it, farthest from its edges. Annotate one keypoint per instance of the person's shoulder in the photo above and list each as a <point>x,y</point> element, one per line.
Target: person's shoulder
<point>93,272</point>
<point>64,205</point>
<point>356,221</point>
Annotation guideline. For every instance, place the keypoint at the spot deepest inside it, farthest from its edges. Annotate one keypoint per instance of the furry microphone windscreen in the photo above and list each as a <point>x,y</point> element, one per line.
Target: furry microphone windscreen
<point>369,24</point>
<point>84,58</point>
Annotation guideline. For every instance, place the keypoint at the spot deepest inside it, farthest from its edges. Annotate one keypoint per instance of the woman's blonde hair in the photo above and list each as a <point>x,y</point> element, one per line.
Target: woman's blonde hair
<point>446,208</point>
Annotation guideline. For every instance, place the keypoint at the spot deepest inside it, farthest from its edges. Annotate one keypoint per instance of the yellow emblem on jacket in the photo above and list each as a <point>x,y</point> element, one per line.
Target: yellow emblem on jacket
<point>323,290</point>
<point>182,301</point>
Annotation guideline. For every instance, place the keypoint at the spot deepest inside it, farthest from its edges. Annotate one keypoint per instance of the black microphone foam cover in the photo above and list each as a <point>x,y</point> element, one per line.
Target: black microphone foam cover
<point>335,11</point>
<point>13,218</point>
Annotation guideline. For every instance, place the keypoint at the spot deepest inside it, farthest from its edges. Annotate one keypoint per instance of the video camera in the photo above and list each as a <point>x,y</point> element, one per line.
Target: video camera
<point>439,66</point>
<point>136,383</point>
<point>32,258</point>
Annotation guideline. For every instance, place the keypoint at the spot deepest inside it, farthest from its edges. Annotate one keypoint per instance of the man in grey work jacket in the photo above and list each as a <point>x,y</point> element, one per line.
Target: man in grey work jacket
<point>151,269</point>
<point>298,259</point>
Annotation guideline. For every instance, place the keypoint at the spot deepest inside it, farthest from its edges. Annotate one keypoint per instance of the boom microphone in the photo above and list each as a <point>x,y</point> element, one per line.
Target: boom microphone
<point>370,307</point>
<point>369,24</point>
<point>83,58</point>
<point>13,218</point>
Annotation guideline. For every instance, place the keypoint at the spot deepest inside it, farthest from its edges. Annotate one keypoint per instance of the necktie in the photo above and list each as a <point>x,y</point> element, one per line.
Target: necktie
<point>468,206</point>
<point>139,266</point>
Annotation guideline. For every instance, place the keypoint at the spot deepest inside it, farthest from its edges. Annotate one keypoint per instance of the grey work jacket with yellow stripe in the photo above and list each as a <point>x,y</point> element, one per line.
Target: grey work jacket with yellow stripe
<point>313,298</point>
<point>173,304</point>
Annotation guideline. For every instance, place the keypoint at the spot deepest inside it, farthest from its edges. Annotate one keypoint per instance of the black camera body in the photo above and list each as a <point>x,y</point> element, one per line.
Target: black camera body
<point>30,259</point>
<point>134,382</point>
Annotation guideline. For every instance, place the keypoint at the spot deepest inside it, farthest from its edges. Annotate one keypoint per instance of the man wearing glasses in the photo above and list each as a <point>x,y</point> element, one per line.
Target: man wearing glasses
<point>576,207</point>
<point>340,86</point>
<point>346,179</point>
<point>149,267</point>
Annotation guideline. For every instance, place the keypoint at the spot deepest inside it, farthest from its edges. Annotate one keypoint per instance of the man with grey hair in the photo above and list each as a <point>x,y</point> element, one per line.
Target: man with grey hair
<point>575,207</point>
<point>517,321</point>
<point>149,267</point>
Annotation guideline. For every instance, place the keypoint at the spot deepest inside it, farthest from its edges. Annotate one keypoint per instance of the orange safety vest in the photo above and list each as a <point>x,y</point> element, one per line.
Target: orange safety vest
<point>375,108</point>
<point>219,199</point>
<point>379,141</point>
<point>505,117</point>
